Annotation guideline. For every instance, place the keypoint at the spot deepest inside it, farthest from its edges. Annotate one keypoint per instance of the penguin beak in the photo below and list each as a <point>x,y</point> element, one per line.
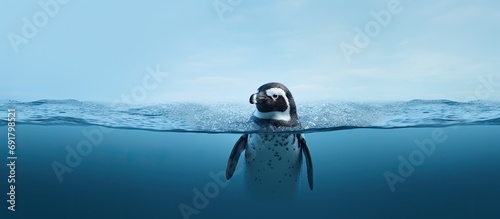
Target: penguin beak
<point>258,98</point>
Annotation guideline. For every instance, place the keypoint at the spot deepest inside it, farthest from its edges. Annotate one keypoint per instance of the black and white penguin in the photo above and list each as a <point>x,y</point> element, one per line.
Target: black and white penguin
<point>273,160</point>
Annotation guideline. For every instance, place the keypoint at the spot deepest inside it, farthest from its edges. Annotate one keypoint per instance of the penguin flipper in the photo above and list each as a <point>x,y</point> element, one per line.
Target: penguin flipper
<point>238,148</point>
<point>307,154</point>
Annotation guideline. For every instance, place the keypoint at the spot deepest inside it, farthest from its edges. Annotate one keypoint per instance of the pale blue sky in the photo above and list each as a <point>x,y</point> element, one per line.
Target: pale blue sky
<point>98,50</point>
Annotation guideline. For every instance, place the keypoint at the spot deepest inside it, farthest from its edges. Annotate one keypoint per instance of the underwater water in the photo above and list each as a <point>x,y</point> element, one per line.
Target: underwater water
<point>416,159</point>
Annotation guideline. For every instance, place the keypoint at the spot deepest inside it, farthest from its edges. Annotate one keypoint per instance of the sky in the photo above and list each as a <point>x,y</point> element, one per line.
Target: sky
<point>223,50</point>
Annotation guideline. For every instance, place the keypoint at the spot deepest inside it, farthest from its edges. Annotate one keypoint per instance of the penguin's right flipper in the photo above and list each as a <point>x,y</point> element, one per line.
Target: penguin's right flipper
<point>239,147</point>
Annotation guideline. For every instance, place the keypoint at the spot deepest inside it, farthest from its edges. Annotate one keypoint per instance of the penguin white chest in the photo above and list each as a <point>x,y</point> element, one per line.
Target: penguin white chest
<point>273,163</point>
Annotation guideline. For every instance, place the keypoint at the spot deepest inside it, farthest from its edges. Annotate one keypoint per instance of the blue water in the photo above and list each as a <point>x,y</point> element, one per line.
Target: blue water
<point>146,161</point>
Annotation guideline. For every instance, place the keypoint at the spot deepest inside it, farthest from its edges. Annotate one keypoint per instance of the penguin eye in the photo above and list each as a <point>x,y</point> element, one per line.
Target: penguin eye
<point>275,96</point>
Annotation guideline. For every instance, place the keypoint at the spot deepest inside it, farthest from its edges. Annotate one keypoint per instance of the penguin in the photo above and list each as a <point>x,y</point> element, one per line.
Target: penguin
<point>273,160</point>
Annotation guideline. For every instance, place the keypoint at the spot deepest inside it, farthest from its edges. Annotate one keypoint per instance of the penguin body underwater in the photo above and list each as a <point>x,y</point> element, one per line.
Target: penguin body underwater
<point>273,160</point>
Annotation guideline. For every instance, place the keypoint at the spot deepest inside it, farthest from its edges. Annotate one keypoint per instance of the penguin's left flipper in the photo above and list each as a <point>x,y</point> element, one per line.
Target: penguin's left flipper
<point>307,154</point>
<point>238,148</point>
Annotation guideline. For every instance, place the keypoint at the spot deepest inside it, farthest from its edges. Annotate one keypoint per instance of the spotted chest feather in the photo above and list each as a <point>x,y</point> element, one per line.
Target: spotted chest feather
<point>273,162</point>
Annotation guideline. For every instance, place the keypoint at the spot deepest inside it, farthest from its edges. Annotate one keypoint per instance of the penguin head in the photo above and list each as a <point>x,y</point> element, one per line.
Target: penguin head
<point>274,102</point>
